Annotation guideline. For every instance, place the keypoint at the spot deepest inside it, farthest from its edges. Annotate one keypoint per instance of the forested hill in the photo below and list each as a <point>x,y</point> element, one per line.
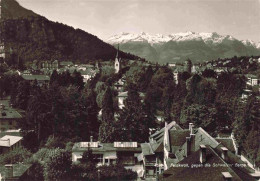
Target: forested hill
<point>31,36</point>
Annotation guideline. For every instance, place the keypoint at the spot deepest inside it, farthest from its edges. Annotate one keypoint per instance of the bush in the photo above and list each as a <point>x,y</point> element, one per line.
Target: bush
<point>58,165</point>
<point>116,172</point>
<point>15,156</point>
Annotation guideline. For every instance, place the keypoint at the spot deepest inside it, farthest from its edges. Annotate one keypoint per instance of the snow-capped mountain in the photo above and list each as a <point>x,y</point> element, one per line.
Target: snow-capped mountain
<point>179,46</point>
<point>159,38</point>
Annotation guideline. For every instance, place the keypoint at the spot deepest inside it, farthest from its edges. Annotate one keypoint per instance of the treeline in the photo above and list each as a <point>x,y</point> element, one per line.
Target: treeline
<point>63,109</point>
<point>211,101</point>
<point>208,100</point>
<point>36,38</point>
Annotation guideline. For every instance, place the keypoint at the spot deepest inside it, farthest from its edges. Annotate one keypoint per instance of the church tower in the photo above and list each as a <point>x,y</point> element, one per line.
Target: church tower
<point>2,47</point>
<point>117,62</point>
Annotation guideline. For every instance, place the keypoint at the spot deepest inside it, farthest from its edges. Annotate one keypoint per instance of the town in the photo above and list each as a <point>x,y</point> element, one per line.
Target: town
<point>149,118</point>
<point>74,108</point>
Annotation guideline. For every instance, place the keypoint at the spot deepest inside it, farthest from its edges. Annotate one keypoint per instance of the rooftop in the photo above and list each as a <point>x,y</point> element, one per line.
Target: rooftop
<point>10,113</point>
<point>204,172</point>
<point>37,77</point>
<point>104,147</point>
<point>18,169</point>
<point>8,140</point>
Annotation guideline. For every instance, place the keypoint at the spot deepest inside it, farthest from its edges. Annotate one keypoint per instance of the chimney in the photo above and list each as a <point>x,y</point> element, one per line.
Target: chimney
<point>191,128</point>
<point>227,176</point>
<point>9,171</point>
<point>202,153</point>
<point>91,139</point>
<point>224,153</point>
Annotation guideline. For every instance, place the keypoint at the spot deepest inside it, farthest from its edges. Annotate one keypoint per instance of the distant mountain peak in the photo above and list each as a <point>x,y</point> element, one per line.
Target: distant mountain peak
<point>177,47</point>
<point>208,38</point>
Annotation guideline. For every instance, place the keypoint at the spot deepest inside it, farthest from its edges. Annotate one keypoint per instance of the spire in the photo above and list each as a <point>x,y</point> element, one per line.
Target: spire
<point>117,54</point>
<point>0,10</point>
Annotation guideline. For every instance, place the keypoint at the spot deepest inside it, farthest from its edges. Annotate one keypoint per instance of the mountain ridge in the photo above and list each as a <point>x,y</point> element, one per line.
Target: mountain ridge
<point>179,46</point>
<point>214,37</point>
<point>34,37</point>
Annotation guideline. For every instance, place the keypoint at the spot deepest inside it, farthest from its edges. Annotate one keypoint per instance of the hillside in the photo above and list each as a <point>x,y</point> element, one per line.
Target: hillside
<point>30,36</point>
<point>178,47</point>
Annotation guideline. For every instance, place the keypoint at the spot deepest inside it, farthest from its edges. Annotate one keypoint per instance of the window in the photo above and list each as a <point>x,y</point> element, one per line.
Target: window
<point>106,161</point>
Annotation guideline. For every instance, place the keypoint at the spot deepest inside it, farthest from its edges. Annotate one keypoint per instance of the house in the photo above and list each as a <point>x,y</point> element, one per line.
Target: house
<point>246,93</point>
<point>87,74</point>
<point>209,163</point>
<point>119,84</point>
<point>9,143</point>
<point>66,64</point>
<point>161,146</point>
<point>110,153</point>
<point>172,64</point>
<point>15,172</point>
<point>9,117</point>
<point>252,80</point>
<point>123,95</point>
<point>174,152</point>
<point>41,79</point>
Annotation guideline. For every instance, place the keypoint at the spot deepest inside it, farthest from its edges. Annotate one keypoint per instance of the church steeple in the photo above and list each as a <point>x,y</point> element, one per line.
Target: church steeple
<point>2,47</point>
<point>117,61</point>
<point>117,53</point>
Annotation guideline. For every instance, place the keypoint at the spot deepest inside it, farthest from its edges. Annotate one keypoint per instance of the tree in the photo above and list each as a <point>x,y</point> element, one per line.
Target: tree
<point>54,77</point>
<point>15,156</point>
<point>133,123</point>
<point>87,156</point>
<point>77,80</point>
<point>116,172</point>
<point>209,73</point>
<point>23,94</point>
<point>58,166</point>
<point>106,129</point>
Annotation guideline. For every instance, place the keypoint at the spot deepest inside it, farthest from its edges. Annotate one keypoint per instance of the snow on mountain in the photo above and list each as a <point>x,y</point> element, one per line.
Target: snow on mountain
<point>251,43</point>
<point>142,37</point>
<point>208,38</point>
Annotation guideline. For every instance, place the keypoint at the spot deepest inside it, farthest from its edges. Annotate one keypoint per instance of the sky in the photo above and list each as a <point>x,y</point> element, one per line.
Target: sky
<point>104,18</point>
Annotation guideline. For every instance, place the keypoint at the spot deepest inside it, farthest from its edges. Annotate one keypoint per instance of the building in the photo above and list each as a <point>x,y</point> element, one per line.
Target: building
<point>188,65</point>
<point>9,143</point>
<point>185,154</point>
<point>87,74</point>
<point>123,95</point>
<point>9,117</point>
<point>119,85</point>
<point>111,153</point>
<point>41,79</point>
<point>208,163</point>
<point>252,80</point>
<point>15,172</point>
<point>155,153</point>
<point>64,64</point>
<point>118,62</point>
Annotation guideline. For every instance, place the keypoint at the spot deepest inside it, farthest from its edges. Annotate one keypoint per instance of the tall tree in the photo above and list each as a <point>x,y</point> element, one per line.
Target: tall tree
<point>106,129</point>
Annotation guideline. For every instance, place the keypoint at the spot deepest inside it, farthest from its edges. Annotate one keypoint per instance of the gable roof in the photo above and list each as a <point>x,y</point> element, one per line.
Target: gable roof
<point>228,143</point>
<point>18,170</point>
<point>213,173</point>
